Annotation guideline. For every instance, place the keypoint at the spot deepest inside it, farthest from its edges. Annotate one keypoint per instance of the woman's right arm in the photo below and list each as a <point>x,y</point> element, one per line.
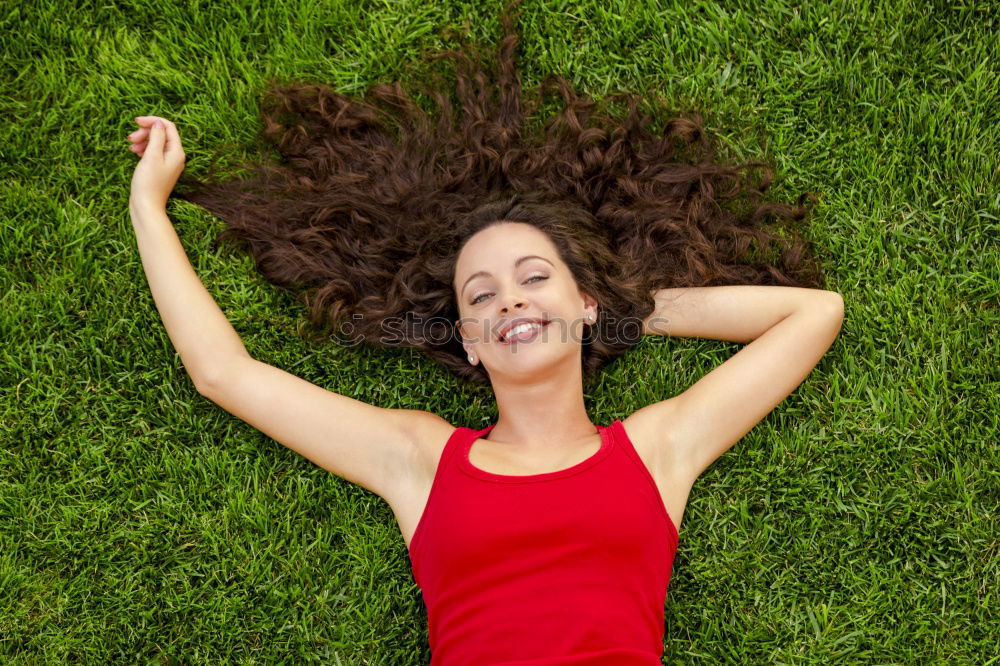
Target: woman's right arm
<point>377,448</point>
<point>198,329</point>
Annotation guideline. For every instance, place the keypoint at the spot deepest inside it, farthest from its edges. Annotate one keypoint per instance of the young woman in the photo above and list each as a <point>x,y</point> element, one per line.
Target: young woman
<point>521,260</point>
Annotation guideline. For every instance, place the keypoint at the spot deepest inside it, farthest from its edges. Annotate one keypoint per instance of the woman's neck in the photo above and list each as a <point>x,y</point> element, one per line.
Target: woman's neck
<point>542,415</point>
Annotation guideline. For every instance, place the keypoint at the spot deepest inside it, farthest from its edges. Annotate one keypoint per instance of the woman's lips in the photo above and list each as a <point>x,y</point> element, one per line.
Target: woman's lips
<point>534,332</point>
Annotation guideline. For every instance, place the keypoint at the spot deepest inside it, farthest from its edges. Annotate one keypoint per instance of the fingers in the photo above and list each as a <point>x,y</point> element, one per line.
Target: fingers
<point>147,121</point>
<point>155,145</point>
<point>170,141</point>
<point>139,139</point>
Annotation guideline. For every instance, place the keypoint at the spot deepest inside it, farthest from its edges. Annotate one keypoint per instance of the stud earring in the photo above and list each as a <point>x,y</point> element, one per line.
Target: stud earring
<point>472,359</point>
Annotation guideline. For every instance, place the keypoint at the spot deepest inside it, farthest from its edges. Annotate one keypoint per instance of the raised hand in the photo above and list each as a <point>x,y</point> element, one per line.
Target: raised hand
<point>158,143</point>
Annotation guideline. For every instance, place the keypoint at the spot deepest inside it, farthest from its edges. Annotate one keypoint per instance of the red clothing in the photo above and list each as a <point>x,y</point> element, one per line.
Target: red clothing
<point>564,568</point>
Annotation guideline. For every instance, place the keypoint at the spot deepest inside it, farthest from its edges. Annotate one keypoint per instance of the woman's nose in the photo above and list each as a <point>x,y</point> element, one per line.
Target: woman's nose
<point>513,303</point>
<point>512,298</point>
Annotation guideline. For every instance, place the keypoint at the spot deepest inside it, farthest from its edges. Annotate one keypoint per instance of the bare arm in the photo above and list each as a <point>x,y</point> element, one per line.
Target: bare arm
<point>198,329</point>
<point>739,313</point>
<point>371,446</point>
<point>790,329</point>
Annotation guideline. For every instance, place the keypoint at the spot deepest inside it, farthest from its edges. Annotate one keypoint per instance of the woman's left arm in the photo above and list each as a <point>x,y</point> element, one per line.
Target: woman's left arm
<point>788,330</point>
<point>734,314</point>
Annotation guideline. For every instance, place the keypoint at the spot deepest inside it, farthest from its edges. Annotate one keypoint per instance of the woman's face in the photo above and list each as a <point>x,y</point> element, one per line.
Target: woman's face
<point>509,271</point>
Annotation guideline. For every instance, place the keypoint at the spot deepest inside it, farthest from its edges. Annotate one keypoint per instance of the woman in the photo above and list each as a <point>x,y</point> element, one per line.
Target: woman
<point>522,261</point>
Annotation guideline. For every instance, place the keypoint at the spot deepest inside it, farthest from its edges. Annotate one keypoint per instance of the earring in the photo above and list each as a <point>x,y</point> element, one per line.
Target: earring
<point>591,317</point>
<point>472,359</point>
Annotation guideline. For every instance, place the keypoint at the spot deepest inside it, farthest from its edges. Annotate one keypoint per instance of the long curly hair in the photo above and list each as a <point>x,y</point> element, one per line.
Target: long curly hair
<point>366,213</point>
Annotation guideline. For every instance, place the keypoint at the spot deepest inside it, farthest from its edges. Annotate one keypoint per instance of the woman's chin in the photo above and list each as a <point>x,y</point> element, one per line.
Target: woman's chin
<point>542,361</point>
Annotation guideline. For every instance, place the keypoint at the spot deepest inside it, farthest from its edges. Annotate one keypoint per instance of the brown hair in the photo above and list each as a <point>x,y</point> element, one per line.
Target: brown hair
<point>366,213</point>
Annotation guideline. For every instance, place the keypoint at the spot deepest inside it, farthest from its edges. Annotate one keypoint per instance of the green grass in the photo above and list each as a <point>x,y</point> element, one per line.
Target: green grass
<point>140,523</point>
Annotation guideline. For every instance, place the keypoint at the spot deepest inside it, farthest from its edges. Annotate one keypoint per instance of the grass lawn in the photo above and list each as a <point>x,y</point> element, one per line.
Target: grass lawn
<point>141,523</point>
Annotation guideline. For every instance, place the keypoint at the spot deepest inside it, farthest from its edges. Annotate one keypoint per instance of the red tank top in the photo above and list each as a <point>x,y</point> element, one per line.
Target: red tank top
<point>564,568</point>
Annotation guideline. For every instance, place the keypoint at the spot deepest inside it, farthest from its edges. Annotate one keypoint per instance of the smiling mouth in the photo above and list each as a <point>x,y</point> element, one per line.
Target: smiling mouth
<point>531,334</point>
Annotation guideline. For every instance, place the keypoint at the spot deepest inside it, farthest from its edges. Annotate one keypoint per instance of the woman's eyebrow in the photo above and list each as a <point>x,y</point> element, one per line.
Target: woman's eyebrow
<point>516,264</point>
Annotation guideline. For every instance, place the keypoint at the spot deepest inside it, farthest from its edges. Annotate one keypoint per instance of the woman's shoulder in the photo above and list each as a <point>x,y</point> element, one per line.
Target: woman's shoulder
<point>428,434</point>
<point>649,430</point>
<point>426,428</point>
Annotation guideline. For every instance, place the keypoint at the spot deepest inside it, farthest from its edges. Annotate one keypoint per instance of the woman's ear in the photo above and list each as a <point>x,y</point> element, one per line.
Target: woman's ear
<point>465,345</point>
<point>590,307</point>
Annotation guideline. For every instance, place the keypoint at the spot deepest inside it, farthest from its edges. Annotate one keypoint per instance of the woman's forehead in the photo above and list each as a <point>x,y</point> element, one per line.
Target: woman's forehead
<point>502,245</point>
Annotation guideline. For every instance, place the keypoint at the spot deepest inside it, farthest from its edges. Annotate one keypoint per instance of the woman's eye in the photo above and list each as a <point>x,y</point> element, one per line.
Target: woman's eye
<point>533,277</point>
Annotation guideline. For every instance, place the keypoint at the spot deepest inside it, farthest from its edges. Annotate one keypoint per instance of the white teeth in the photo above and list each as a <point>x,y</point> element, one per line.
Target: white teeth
<point>520,327</point>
